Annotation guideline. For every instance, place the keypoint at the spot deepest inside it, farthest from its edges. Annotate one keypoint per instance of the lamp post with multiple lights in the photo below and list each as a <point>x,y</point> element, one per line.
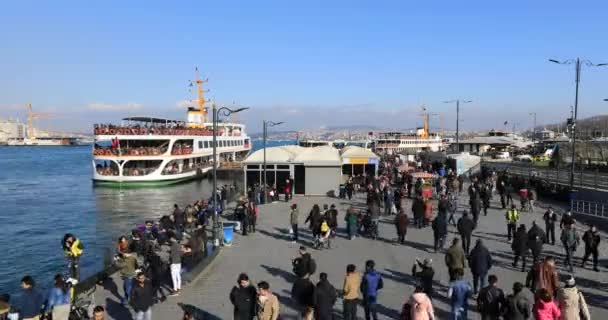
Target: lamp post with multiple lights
<point>578,63</point>
<point>267,124</point>
<point>224,111</point>
<point>458,102</point>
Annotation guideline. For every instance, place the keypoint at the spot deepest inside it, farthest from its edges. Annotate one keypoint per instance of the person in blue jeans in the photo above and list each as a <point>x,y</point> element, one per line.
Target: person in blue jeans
<point>459,293</point>
<point>370,285</point>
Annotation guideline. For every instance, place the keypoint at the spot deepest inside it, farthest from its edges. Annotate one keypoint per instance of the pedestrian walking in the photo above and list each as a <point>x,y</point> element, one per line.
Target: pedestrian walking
<point>418,211</point>
<point>127,266</point>
<point>175,255</point>
<point>440,231</point>
<point>570,241</point>
<point>302,292</point>
<point>480,262</point>
<point>517,306</point>
<point>512,217</point>
<point>370,285</point>
<point>425,276</point>
<point>142,298</point>
<point>486,195</point>
<point>304,265</point>
<point>294,218</point>
<point>591,238</point>
<point>58,301</point>
<point>536,240</point>
<point>455,259</point>
<point>459,293</point>
<point>351,222</point>
<point>491,300</point>
<point>571,302</point>
<point>350,292</point>
<point>420,305</point>
<point>314,217</point>
<point>465,228</point>
<point>243,297</point>
<point>543,275</point>
<point>566,221</point>
<point>268,303</point>
<point>520,247</point>
<point>545,308</point>
<point>401,223</point>
<point>550,218</point>
<point>324,298</point>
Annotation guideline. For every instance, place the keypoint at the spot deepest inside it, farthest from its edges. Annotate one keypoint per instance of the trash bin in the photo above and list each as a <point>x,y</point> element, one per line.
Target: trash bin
<point>228,233</point>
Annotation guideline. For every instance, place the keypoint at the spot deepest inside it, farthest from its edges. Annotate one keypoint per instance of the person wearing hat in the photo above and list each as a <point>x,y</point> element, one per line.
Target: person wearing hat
<point>425,275</point>
<point>591,238</point>
<point>243,298</point>
<point>571,301</point>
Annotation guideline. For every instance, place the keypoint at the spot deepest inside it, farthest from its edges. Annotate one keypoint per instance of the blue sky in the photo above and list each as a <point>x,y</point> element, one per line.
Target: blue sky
<point>309,63</point>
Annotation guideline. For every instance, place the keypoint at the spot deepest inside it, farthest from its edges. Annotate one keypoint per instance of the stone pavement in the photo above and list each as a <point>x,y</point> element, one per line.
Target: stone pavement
<point>267,254</point>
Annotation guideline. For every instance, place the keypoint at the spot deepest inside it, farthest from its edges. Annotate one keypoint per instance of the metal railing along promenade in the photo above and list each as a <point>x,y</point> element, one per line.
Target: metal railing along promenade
<point>560,176</point>
<point>591,208</point>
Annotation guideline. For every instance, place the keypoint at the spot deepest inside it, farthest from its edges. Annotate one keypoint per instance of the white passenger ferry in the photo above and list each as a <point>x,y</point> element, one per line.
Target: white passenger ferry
<point>409,142</point>
<point>147,151</point>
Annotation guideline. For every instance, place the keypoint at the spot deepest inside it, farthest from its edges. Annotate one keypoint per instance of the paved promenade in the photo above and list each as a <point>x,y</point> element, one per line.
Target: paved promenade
<point>266,255</point>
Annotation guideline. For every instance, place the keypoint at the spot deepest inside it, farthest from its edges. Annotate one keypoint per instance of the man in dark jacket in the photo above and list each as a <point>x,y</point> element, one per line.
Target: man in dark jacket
<point>518,306</point>
<point>418,211</point>
<point>567,220</point>
<point>550,218</point>
<point>302,292</point>
<point>536,239</point>
<point>520,247</point>
<point>142,297</point>
<point>324,298</point>
<point>570,240</point>
<point>480,262</point>
<point>591,238</point>
<point>440,230</point>
<point>244,298</point>
<point>491,300</point>
<point>302,264</point>
<point>486,195</point>
<point>31,300</point>
<point>465,228</point>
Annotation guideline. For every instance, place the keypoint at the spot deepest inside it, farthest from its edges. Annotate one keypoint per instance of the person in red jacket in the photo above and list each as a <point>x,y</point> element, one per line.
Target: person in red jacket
<point>545,308</point>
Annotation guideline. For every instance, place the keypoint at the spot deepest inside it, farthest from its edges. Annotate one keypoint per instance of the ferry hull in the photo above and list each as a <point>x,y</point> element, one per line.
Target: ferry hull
<point>143,184</point>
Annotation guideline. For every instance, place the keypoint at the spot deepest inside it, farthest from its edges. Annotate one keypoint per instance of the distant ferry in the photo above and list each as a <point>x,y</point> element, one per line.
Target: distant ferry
<point>44,141</point>
<point>146,151</point>
<point>410,142</point>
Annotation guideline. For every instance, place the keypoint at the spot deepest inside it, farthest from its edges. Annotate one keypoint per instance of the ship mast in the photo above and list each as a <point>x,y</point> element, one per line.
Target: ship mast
<point>201,97</point>
<point>425,119</point>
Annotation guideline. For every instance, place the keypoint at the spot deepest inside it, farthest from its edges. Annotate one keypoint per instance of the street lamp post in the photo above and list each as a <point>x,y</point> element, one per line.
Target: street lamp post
<point>267,124</point>
<point>458,102</point>
<point>578,64</point>
<point>216,112</point>
<point>533,129</point>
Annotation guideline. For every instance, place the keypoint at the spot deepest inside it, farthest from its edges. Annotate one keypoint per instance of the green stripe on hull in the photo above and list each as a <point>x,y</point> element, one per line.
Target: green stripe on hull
<point>142,184</point>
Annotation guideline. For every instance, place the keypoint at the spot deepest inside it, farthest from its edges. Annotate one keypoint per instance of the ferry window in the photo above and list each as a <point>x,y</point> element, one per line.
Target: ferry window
<point>206,144</point>
<point>200,144</point>
<point>282,166</point>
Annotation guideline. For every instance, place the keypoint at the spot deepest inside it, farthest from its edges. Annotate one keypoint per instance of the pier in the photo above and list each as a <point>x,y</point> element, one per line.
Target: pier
<point>267,254</point>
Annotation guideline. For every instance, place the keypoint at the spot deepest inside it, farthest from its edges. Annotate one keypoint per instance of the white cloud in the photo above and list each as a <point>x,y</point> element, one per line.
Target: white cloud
<point>182,104</point>
<point>100,106</point>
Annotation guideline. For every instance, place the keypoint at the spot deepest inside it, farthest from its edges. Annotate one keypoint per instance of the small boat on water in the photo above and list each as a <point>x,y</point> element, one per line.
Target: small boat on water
<point>148,151</point>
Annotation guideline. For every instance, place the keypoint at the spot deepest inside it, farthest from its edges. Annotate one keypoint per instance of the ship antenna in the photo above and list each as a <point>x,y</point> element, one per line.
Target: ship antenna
<point>201,95</point>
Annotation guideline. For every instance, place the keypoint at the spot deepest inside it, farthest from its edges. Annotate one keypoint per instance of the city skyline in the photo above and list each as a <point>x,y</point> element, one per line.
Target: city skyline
<point>310,65</point>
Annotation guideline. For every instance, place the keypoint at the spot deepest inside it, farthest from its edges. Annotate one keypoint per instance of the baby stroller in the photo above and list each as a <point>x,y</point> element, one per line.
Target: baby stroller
<point>324,237</point>
<point>525,201</point>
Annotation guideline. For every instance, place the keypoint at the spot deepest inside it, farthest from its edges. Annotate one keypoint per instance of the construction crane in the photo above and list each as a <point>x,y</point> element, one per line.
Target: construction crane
<point>201,95</point>
<point>31,115</point>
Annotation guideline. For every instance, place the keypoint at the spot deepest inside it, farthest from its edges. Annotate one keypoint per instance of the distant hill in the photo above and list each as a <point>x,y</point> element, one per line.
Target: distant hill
<point>587,128</point>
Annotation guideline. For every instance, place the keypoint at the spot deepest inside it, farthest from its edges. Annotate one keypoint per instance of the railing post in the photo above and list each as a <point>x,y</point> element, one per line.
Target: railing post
<point>595,209</point>
<point>597,172</point>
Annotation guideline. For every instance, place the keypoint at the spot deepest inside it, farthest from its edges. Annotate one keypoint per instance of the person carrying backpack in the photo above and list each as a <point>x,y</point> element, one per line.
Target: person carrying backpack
<point>491,300</point>
<point>304,265</point>
<point>370,285</point>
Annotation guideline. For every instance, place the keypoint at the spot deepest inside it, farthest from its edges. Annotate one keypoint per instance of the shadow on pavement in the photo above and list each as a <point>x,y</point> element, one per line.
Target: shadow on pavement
<point>276,272</point>
<point>117,311</point>
<point>198,313</point>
